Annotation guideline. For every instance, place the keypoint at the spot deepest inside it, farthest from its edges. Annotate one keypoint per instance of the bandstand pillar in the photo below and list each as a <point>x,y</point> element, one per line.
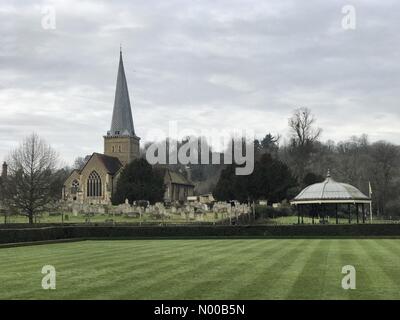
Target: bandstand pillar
<point>349,210</point>
<point>336,213</point>
<point>363,212</point>
<point>357,211</point>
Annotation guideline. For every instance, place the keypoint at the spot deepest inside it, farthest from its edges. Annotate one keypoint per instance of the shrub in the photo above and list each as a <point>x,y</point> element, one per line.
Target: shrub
<point>267,212</point>
<point>392,209</point>
<point>9,235</point>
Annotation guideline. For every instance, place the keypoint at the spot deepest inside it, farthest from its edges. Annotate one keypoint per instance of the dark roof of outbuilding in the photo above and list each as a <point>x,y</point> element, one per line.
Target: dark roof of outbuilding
<point>178,178</point>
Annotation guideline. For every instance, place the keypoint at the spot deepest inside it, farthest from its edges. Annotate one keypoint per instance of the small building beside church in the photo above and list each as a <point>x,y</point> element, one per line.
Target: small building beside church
<point>177,187</point>
<point>95,182</point>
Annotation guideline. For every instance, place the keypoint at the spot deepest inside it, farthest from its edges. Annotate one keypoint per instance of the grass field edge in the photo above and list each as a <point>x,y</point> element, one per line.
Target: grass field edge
<point>56,241</point>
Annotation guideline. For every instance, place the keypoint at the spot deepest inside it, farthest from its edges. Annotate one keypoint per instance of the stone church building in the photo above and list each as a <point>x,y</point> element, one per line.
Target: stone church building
<point>95,182</point>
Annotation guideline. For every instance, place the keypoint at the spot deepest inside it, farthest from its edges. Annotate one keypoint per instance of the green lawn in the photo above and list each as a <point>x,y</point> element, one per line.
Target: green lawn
<point>99,218</point>
<point>203,269</point>
<point>308,220</point>
<point>174,219</point>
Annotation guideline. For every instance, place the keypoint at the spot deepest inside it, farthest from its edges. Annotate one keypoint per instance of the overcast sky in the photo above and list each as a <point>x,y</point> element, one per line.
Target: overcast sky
<point>206,64</point>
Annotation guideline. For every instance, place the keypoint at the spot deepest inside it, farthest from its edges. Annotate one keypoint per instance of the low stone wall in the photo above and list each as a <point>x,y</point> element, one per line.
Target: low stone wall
<point>130,232</point>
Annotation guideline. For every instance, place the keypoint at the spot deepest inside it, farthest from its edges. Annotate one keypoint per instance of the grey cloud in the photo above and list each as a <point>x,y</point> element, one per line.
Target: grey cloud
<point>204,63</point>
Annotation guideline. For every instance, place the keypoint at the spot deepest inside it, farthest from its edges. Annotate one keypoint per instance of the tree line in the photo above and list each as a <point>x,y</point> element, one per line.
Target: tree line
<point>304,158</point>
<point>282,169</point>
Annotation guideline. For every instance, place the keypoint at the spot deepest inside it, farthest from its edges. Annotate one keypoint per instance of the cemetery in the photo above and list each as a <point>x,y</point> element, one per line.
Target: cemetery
<point>184,213</point>
<point>140,212</point>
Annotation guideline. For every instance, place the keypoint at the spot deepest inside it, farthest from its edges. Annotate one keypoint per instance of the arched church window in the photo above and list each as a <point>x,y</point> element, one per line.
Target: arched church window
<point>75,186</point>
<point>94,185</point>
<point>113,149</point>
<point>119,148</point>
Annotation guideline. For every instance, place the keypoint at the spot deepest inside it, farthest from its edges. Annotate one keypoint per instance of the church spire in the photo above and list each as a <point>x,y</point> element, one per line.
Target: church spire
<point>122,121</point>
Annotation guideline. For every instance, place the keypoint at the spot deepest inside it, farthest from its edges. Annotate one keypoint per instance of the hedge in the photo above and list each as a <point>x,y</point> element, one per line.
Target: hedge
<point>112,232</point>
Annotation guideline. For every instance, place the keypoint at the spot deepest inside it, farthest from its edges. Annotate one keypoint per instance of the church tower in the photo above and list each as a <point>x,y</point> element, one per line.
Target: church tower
<point>121,141</point>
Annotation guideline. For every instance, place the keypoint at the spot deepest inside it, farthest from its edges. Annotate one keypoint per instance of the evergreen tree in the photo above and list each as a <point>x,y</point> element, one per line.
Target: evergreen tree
<point>224,190</point>
<point>139,181</point>
<point>271,179</point>
<point>311,178</point>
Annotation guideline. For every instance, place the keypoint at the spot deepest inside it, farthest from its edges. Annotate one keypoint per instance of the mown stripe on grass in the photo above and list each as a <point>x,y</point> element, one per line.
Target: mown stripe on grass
<point>311,273</point>
<point>259,279</point>
<point>331,288</point>
<point>129,278</point>
<point>281,275</point>
<point>139,265</point>
<point>366,267</point>
<point>286,279</point>
<point>171,282</point>
<point>383,265</point>
<point>208,269</point>
<point>77,271</point>
<point>215,282</point>
<point>347,256</point>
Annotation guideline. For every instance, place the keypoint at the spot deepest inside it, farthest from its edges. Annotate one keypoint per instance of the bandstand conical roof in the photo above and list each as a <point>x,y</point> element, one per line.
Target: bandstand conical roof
<point>330,191</point>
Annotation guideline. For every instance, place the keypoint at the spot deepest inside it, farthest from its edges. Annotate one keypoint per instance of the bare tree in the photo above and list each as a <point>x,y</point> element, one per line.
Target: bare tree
<point>79,163</point>
<point>302,126</point>
<point>30,187</point>
<point>352,159</point>
<point>384,169</point>
<point>304,135</point>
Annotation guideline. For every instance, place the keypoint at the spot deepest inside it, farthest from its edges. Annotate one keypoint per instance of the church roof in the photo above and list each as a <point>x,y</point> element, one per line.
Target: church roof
<point>122,121</point>
<point>112,164</point>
